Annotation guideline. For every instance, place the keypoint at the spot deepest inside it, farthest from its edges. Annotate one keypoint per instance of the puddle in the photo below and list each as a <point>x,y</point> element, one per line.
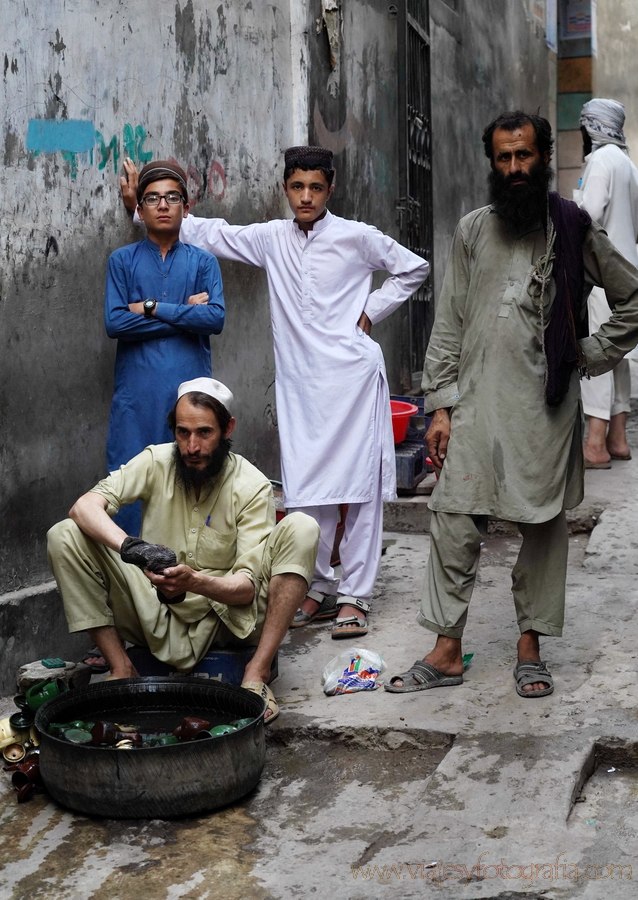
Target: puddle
<point>312,776</point>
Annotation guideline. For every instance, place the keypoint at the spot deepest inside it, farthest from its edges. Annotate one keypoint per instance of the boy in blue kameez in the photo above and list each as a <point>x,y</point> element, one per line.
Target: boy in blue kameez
<point>163,300</point>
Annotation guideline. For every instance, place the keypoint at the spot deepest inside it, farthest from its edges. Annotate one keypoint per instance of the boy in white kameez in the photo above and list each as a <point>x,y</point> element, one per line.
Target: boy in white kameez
<point>333,403</point>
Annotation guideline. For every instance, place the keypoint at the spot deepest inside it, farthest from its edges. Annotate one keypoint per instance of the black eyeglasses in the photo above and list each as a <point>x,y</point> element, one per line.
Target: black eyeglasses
<point>172,198</point>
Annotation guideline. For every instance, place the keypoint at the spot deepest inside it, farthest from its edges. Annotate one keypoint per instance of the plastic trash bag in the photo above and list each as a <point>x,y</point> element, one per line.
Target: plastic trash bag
<point>355,669</point>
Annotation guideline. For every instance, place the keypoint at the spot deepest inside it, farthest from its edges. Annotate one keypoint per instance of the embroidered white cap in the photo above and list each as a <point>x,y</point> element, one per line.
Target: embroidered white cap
<point>209,386</point>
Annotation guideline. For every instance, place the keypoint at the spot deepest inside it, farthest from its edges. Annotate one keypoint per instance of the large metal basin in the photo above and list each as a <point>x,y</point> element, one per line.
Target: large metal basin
<point>153,782</point>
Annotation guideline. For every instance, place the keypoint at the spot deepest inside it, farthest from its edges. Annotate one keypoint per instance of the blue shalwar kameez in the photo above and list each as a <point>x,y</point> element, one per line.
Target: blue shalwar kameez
<point>154,355</point>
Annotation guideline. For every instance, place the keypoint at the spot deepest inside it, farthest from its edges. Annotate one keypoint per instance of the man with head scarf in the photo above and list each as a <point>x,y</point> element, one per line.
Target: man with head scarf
<point>333,402</point>
<point>609,193</point>
<point>211,568</point>
<point>163,300</point>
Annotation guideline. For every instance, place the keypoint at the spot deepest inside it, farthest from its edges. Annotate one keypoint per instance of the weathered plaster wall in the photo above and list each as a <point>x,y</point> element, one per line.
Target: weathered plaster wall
<point>353,109</point>
<point>82,87</point>
<point>615,68</point>
<point>487,57</point>
<point>223,88</point>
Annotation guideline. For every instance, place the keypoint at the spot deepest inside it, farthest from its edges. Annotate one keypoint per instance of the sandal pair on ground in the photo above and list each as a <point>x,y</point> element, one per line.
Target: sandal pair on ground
<point>344,626</point>
<point>422,676</point>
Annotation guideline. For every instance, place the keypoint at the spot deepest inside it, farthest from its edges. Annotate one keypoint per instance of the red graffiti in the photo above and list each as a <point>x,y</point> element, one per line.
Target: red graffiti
<point>214,179</point>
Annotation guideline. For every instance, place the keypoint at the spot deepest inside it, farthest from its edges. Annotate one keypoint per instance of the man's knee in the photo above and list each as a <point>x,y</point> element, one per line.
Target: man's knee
<point>299,528</point>
<point>61,536</point>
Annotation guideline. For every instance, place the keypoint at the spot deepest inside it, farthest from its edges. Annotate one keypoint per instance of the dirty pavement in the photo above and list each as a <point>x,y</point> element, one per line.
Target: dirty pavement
<point>455,793</point>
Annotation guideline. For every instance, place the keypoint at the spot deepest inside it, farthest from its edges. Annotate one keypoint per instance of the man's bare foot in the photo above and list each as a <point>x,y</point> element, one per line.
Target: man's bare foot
<point>122,672</point>
<point>595,445</point>
<point>345,610</point>
<point>596,457</point>
<point>446,656</point>
<point>617,445</point>
<point>619,450</point>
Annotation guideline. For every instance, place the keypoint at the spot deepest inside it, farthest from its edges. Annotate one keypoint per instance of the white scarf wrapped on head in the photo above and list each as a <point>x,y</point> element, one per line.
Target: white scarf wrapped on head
<point>604,120</point>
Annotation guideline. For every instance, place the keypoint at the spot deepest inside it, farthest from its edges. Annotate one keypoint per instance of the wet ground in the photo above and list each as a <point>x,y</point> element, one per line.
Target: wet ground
<point>463,793</point>
<point>46,850</point>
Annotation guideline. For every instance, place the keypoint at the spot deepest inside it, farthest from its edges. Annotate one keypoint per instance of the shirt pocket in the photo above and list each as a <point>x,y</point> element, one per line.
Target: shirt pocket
<point>216,549</point>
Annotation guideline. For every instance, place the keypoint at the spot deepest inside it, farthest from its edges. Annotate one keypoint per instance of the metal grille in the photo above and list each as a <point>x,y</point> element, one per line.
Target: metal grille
<point>415,169</point>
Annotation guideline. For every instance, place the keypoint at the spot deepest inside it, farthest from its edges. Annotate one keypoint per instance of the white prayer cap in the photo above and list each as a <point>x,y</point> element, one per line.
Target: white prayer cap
<point>209,386</point>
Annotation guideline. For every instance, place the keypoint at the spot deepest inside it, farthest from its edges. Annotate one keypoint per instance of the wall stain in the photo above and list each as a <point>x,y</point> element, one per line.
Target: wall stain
<point>11,147</point>
<point>51,247</point>
<point>59,46</point>
<point>204,54</point>
<point>220,52</point>
<point>185,39</point>
<point>13,65</point>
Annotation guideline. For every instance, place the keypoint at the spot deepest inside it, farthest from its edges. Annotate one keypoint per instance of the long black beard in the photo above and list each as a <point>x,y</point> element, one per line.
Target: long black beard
<point>521,206</point>
<point>196,479</point>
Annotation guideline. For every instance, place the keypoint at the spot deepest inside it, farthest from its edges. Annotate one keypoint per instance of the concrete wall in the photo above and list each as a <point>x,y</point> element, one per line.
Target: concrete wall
<point>487,57</point>
<point>222,89</point>
<point>353,111</point>
<point>83,87</point>
<point>615,68</point>
<point>604,64</point>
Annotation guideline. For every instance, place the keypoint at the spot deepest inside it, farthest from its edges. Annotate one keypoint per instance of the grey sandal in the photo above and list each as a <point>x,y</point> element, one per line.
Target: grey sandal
<point>531,672</point>
<point>349,627</point>
<point>421,676</point>
<point>327,610</point>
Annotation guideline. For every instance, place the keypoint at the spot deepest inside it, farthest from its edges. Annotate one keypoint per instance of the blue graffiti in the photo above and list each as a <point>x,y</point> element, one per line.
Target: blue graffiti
<point>71,137</point>
<point>54,135</point>
<point>134,144</point>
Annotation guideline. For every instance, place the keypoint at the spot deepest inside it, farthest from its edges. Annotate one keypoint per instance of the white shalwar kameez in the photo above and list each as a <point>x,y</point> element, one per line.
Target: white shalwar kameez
<point>609,193</point>
<point>333,403</point>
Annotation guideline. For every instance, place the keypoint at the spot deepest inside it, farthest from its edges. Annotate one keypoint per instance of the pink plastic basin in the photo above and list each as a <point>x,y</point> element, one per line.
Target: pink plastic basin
<point>401,414</point>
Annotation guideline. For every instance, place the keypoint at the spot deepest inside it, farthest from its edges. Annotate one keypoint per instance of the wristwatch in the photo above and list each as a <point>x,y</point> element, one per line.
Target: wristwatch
<point>149,306</point>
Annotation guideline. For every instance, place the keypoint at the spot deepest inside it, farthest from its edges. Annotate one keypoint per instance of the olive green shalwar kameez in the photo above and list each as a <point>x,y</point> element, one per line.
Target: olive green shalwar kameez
<point>230,528</point>
<point>510,455</point>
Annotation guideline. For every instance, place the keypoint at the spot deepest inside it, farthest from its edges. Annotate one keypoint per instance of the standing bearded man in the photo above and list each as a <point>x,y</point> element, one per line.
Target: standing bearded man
<point>501,378</point>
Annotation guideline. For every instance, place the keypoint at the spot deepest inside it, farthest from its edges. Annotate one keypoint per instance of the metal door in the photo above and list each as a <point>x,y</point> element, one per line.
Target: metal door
<point>415,169</point>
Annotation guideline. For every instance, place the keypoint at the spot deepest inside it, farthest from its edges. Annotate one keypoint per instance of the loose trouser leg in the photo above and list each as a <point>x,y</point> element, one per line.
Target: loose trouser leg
<point>290,549</point>
<point>360,549</point>
<point>455,546</point>
<point>98,589</point>
<point>622,388</point>
<point>538,578</point>
<point>326,517</point>
<point>609,394</point>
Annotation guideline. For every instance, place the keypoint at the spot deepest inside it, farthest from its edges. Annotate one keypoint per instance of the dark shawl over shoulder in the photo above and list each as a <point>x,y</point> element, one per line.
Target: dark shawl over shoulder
<point>565,325</point>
